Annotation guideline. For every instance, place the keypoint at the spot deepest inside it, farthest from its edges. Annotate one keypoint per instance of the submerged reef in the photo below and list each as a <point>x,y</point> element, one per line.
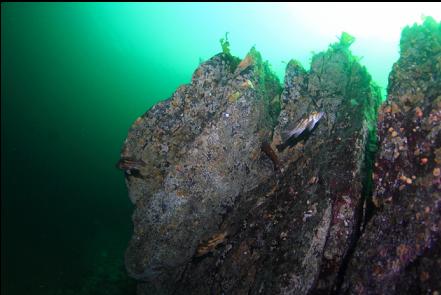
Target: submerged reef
<point>220,210</point>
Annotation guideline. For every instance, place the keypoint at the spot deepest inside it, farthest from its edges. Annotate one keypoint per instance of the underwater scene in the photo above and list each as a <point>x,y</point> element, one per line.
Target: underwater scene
<point>220,148</point>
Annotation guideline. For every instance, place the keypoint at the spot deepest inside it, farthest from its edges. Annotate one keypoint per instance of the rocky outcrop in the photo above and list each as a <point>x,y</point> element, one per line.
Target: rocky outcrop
<point>293,231</point>
<point>399,251</point>
<point>221,210</point>
<point>189,158</point>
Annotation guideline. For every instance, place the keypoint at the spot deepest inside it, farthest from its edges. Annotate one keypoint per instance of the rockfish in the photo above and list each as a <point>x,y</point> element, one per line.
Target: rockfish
<point>306,123</point>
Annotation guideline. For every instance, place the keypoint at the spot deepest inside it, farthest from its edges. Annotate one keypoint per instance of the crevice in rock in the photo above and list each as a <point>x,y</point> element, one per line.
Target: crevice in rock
<point>365,210</point>
<point>368,184</point>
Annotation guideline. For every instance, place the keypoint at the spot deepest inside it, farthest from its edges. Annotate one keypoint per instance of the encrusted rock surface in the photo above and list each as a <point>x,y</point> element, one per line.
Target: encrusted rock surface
<point>216,213</point>
<point>399,251</point>
<point>292,233</point>
<point>197,152</point>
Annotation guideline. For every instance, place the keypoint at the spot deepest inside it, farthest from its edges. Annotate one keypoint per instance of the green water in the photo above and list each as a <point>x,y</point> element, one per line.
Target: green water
<point>75,76</point>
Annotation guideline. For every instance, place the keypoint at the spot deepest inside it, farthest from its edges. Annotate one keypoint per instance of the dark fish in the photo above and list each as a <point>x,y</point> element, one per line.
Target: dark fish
<point>306,124</point>
<point>130,166</point>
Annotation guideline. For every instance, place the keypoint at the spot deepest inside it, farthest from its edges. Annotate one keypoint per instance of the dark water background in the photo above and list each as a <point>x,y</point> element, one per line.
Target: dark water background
<point>70,90</point>
<point>74,77</point>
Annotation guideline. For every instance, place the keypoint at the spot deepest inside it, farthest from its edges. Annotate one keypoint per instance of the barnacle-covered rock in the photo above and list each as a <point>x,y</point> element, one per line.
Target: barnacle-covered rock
<point>399,251</point>
<point>200,151</point>
<point>291,233</point>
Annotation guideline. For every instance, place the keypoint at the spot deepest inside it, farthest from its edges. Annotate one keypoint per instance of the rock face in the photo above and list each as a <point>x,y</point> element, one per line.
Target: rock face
<point>291,234</point>
<point>219,210</point>
<point>399,251</point>
<point>189,158</point>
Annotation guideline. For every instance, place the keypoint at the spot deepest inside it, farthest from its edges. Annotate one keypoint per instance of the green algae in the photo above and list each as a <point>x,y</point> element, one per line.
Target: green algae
<point>225,44</point>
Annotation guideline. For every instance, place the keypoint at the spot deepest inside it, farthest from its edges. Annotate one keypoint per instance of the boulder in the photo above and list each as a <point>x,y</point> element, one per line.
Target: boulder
<point>189,159</point>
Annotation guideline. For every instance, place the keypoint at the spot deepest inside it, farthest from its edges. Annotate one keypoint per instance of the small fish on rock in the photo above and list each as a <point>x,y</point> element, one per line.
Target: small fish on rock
<point>305,124</point>
<point>131,166</point>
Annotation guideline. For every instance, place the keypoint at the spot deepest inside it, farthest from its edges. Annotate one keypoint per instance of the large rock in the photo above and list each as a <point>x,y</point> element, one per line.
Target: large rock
<point>221,210</point>
<point>399,251</point>
<point>285,231</point>
<point>189,158</point>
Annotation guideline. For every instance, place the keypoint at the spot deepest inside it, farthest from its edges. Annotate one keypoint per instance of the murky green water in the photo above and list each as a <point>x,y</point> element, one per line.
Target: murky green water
<point>75,76</point>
